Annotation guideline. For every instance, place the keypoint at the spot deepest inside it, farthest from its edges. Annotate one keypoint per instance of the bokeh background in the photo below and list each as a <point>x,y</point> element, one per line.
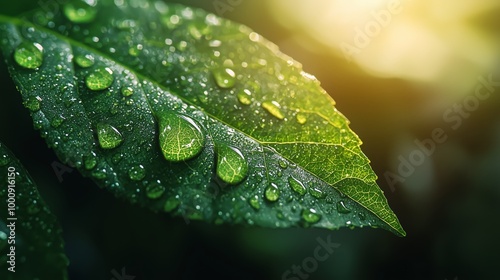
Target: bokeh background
<point>394,83</point>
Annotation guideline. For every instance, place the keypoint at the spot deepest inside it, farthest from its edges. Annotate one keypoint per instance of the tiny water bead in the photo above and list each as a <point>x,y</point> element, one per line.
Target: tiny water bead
<point>254,202</point>
<point>180,137</point>
<point>310,216</point>
<point>137,173</point>
<point>155,190</point>
<point>84,61</point>
<point>272,192</point>
<point>99,79</point>
<point>127,91</point>
<point>245,97</point>
<point>109,137</point>
<point>29,55</point>
<point>224,77</point>
<point>316,192</point>
<point>342,208</point>
<point>301,118</point>
<point>232,166</point>
<point>79,12</point>
<point>297,186</point>
<point>273,108</point>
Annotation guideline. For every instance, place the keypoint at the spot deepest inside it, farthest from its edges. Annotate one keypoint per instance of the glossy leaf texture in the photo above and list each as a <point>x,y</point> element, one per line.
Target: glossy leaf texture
<point>182,111</point>
<point>29,234</point>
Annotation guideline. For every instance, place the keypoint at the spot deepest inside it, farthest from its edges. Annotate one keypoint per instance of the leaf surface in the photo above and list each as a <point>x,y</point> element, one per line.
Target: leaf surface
<point>182,111</point>
<point>29,234</point>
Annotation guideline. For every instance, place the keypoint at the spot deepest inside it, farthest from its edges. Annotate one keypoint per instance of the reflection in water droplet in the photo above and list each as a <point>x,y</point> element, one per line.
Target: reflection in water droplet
<point>137,173</point>
<point>301,118</point>
<point>155,190</point>
<point>79,12</point>
<point>180,137</point>
<point>127,91</point>
<point>297,186</point>
<point>310,216</point>
<point>84,61</point>
<point>245,97</point>
<point>273,108</point>
<point>29,55</point>
<point>272,192</point>
<point>224,77</point>
<point>32,103</point>
<point>254,202</point>
<point>232,167</point>
<point>171,204</point>
<point>99,79</point>
<point>342,208</point>
<point>109,137</point>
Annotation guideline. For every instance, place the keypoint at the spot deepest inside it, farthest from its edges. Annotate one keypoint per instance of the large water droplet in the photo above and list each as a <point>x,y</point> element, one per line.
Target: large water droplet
<point>90,161</point>
<point>297,186</point>
<point>79,12</point>
<point>342,208</point>
<point>180,137</point>
<point>84,61</point>
<point>155,190</point>
<point>232,167</point>
<point>224,77</point>
<point>171,204</point>
<point>29,55</point>
<point>254,202</point>
<point>272,192</point>
<point>316,192</point>
<point>32,103</point>
<point>109,137</point>
<point>310,216</point>
<point>137,173</point>
<point>100,79</point>
<point>245,97</point>
<point>273,108</point>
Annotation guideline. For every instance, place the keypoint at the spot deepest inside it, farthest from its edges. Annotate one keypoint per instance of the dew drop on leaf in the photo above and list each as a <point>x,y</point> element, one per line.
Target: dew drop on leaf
<point>29,55</point>
<point>316,192</point>
<point>155,190</point>
<point>272,192</point>
<point>301,118</point>
<point>224,77</point>
<point>297,186</point>
<point>171,204</point>
<point>90,161</point>
<point>79,12</point>
<point>127,91</point>
<point>4,160</point>
<point>232,166</point>
<point>342,208</point>
<point>254,202</point>
<point>310,216</point>
<point>99,79</point>
<point>245,97</point>
<point>109,137</point>
<point>180,137</point>
<point>32,103</point>
<point>84,61</point>
<point>273,108</point>
<point>137,173</point>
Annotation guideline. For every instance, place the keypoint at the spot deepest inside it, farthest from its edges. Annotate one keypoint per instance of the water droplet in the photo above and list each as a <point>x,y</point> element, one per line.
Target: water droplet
<point>342,208</point>
<point>57,121</point>
<point>155,190</point>
<point>272,192</point>
<point>273,108</point>
<point>317,192</point>
<point>79,12</point>
<point>29,55</point>
<point>135,50</point>
<point>224,77</point>
<point>127,91</point>
<point>361,216</point>
<point>99,79</point>
<point>90,161</point>
<point>301,118</point>
<point>180,137</point>
<point>137,173</point>
<point>32,103</point>
<point>109,137</point>
<point>84,61</point>
<point>283,164</point>
<point>310,216</point>
<point>171,204</point>
<point>232,167</point>
<point>297,186</point>
<point>4,160</point>
<point>245,97</point>
<point>254,202</point>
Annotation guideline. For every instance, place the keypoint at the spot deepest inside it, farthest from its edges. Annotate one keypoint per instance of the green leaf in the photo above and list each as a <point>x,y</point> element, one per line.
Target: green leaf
<point>179,110</point>
<point>31,244</point>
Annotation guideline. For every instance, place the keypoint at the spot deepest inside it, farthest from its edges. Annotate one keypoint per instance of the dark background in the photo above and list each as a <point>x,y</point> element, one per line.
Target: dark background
<point>449,207</point>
